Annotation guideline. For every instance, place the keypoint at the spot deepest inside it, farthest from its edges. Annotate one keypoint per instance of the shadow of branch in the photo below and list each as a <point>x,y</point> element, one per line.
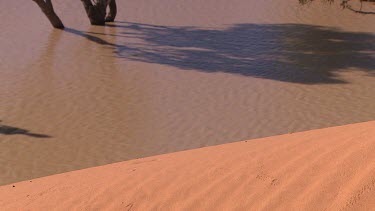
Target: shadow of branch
<point>296,53</point>
<point>10,130</point>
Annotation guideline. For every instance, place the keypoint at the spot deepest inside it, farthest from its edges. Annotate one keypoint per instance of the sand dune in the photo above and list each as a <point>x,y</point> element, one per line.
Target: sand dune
<point>325,169</point>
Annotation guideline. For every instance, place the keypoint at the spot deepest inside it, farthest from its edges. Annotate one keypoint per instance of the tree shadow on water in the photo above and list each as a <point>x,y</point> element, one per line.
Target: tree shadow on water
<point>294,53</point>
<point>9,130</point>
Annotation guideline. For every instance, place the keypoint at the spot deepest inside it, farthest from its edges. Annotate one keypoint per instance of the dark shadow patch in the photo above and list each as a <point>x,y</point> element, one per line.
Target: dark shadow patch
<point>295,53</point>
<point>9,130</point>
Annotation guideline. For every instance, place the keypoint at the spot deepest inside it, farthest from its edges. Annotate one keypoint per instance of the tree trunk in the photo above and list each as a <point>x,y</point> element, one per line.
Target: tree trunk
<point>112,11</point>
<point>95,12</point>
<point>47,8</point>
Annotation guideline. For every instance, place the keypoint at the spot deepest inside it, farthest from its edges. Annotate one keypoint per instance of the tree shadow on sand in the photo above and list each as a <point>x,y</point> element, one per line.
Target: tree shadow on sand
<point>294,53</point>
<point>9,130</point>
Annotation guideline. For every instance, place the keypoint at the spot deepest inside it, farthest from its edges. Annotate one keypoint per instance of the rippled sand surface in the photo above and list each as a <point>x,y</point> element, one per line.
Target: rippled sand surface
<point>324,169</point>
<point>174,75</point>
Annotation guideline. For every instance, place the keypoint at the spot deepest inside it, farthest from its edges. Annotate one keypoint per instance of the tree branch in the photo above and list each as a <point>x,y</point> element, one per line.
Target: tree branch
<point>112,11</point>
<point>49,12</point>
<point>95,12</point>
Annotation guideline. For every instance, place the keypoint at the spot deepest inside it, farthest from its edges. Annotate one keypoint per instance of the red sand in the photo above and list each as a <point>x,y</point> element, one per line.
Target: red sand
<point>332,169</point>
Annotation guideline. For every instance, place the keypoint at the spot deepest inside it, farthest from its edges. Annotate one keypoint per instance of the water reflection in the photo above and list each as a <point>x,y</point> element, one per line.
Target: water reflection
<point>295,53</point>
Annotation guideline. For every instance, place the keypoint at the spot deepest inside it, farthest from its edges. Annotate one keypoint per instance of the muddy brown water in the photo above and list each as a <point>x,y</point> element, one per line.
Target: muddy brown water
<point>174,75</point>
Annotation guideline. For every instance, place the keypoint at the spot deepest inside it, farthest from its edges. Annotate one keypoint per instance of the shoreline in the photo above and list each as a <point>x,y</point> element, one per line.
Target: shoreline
<point>330,168</point>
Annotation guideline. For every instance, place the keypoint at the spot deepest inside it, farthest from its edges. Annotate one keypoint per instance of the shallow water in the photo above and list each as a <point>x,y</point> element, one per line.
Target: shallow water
<point>174,75</point>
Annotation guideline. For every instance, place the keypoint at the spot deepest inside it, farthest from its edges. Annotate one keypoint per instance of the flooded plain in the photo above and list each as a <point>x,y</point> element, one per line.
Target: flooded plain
<point>174,75</point>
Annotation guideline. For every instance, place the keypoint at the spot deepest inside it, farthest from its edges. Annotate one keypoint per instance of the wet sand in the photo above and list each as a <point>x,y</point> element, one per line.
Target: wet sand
<point>174,75</point>
<point>325,169</point>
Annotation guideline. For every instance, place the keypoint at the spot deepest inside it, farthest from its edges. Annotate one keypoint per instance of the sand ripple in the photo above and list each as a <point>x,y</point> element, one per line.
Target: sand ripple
<point>325,169</point>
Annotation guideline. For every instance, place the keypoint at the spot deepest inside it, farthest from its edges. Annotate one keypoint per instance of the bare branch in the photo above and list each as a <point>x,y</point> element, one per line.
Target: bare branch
<point>345,5</point>
<point>49,12</point>
<point>95,11</point>
<point>112,11</point>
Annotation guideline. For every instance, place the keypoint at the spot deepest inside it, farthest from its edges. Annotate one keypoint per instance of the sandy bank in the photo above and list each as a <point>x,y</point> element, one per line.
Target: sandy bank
<point>332,168</point>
